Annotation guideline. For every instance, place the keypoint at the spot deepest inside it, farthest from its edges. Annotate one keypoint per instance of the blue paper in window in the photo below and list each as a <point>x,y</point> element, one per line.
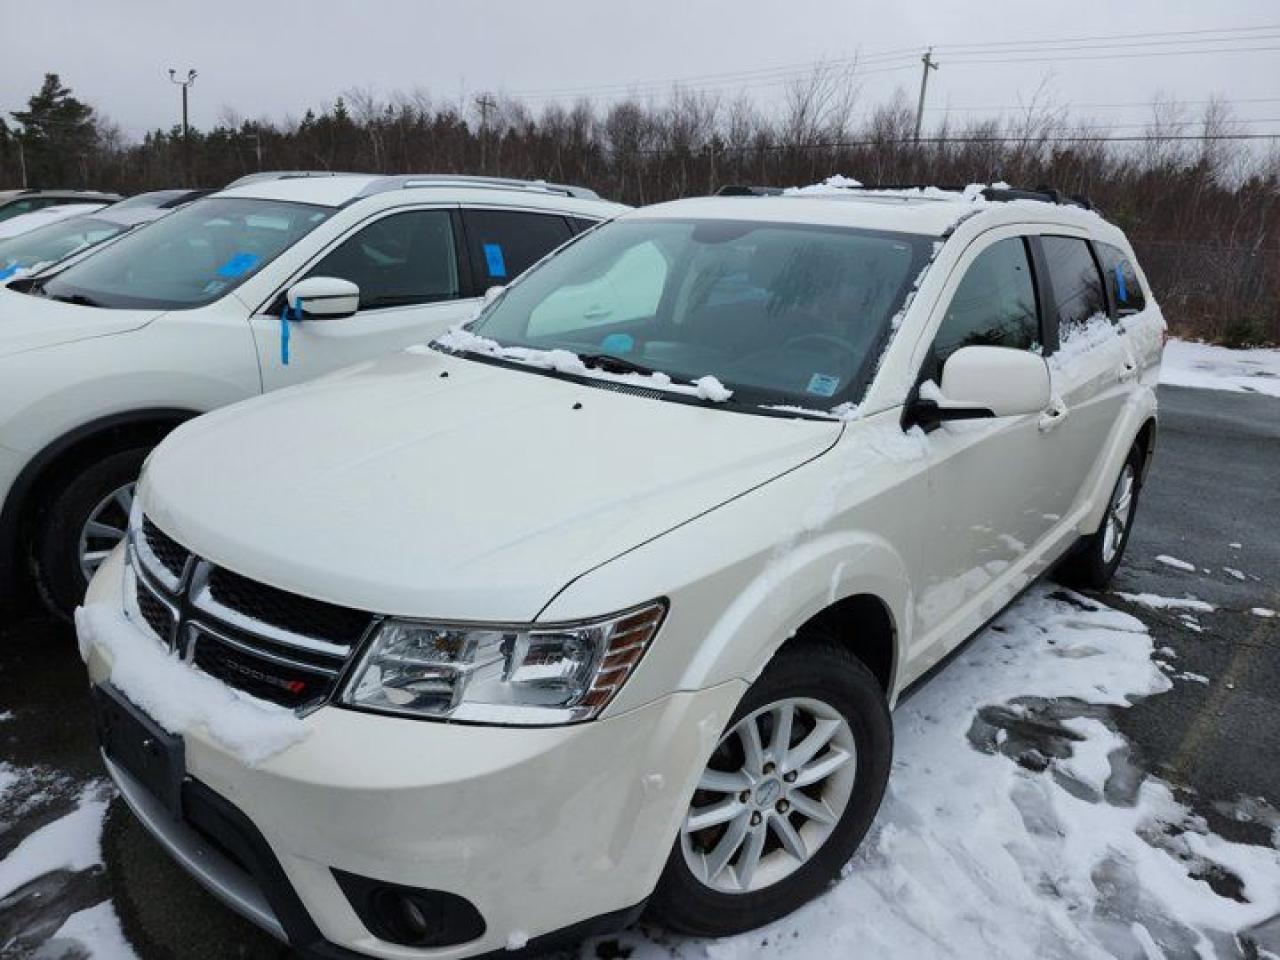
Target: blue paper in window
<point>494,260</point>
<point>618,343</point>
<point>823,384</point>
<point>1122,292</point>
<point>238,265</point>
<point>8,270</point>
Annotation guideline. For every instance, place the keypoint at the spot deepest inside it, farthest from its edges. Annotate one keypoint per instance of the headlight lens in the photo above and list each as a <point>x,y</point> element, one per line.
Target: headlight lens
<point>522,675</point>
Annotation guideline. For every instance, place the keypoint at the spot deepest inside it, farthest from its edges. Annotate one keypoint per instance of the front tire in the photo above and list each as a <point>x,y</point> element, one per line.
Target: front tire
<point>786,797</point>
<point>81,525</point>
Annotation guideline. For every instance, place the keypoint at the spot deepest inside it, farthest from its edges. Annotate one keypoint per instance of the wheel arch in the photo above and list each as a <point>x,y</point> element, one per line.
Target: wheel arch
<point>1136,425</point>
<point>44,472</point>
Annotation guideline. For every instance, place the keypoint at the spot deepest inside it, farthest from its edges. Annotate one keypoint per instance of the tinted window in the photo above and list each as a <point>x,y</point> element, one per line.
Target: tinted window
<point>504,244</point>
<point>17,208</point>
<point>1078,293</point>
<point>191,257</point>
<point>777,312</point>
<point>1126,290</point>
<point>995,305</point>
<point>582,223</point>
<point>401,259</point>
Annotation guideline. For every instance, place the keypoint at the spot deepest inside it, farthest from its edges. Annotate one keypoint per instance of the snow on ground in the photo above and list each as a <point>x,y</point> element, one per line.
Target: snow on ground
<point>1015,825</point>
<point>1169,561</point>
<point>1154,601</point>
<point>1190,364</point>
<point>68,843</point>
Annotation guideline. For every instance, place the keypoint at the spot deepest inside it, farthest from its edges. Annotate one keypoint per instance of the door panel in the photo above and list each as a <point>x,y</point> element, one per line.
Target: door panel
<point>411,290</point>
<point>986,518</point>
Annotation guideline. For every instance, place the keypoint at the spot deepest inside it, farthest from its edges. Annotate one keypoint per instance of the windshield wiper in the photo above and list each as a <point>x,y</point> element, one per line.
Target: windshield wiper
<point>612,364</point>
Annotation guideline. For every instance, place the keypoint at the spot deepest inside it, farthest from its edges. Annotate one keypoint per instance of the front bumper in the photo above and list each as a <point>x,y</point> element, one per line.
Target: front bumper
<point>540,829</point>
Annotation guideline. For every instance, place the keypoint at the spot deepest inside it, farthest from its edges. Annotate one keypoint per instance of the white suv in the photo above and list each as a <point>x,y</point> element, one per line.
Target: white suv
<point>101,359</point>
<point>604,600</point>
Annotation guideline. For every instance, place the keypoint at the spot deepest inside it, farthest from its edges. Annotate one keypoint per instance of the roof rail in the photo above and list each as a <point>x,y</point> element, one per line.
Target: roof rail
<point>264,175</point>
<point>995,194</point>
<point>744,190</point>
<point>412,181</point>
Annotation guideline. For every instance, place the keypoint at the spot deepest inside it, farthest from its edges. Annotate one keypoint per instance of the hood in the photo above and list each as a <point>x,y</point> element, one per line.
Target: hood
<point>32,323</point>
<point>434,486</point>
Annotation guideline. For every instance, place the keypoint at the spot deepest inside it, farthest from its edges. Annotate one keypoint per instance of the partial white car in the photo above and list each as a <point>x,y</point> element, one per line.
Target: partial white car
<point>26,223</point>
<point>242,292</point>
<point>76,234</point>
<point>604,601</point>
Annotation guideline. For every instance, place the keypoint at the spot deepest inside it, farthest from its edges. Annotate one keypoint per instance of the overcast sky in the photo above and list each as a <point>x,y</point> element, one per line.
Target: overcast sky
<point>277,57</point>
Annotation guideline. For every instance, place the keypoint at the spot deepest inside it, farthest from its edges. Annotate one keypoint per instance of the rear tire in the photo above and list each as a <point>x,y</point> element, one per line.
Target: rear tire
<point>765,877</point>
<point>66,545</point>
<point>1094,561</point>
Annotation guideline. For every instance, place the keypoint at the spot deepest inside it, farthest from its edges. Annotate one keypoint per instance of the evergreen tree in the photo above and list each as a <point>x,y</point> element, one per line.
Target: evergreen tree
<point>58,133</point>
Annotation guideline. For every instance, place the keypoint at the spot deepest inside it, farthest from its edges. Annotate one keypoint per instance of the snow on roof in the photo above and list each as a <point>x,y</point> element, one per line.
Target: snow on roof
<point>925,210</point>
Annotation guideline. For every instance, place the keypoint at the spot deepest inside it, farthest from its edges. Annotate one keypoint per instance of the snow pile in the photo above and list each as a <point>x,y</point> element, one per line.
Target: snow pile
<point>1153,601</point>
<point>180,698</point>
<point>68,843</point>
<point>1015,825</point>
<point>1189,364</point>
<point>835,184</point>
<point>565,361</point>
<point>1079,339</point>
<point>95,931</point>
<point>1174,562</point>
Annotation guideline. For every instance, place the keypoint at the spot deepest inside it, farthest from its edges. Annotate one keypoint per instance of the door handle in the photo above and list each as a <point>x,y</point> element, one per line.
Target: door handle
<point>1054,415</point>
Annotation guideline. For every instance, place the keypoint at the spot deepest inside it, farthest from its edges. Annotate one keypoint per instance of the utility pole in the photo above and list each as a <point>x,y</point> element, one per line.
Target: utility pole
<point>186,129</point>
<point>929,64</point>
<point>22,160</point>
<point>485,103</point>
<point>257,147</point>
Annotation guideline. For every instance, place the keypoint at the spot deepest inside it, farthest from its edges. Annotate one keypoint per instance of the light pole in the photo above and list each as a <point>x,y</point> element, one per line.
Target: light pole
<point>186,130</point>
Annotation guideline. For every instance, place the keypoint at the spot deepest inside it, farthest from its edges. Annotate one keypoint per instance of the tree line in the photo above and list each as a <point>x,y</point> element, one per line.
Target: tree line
<point>1199,204</point>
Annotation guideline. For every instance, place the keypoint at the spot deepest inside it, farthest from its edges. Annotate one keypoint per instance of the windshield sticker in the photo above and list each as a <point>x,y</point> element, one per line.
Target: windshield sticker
<point>823,384</point>
<point>618,343</point>
<point>494,260</point>
<point>239,265</point>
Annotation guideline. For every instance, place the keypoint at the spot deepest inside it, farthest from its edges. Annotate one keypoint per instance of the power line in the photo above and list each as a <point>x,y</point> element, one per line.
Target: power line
<point>1119,56</point>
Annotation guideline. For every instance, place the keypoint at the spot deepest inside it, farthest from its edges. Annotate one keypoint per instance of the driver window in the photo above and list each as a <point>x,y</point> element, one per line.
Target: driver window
<point>995,305</point>
<point>403,259</point>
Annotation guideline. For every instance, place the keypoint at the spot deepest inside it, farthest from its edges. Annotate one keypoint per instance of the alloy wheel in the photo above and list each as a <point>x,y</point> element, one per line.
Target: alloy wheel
<point>104,529</point>
<point>1119,513</point>
<point>771,796</point>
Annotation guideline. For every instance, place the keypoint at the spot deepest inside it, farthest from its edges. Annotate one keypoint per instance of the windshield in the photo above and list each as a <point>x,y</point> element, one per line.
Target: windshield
<point>55,242</point>
<point>778,313</point>
<point>191,257</point>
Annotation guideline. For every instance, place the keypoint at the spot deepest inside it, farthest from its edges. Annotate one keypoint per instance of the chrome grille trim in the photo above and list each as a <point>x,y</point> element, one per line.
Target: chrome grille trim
<point>202,601</point>
<point>300,672</point>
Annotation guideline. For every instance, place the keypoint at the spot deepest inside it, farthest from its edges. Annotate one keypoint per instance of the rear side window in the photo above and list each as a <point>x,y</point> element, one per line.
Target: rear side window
<point>504,244</point>
<point>1126,290</point>
<point>1078,293</point>
<point>402,259</point>
<point>995,305</point>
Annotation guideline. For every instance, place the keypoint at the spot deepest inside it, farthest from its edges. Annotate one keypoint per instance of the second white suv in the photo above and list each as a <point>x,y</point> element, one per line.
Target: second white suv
<point>100,360</point>
<point>605,599</point>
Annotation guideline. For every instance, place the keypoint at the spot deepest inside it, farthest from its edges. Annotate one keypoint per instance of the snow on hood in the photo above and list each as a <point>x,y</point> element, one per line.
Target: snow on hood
<point>430,485</point>
<point>32,323</point>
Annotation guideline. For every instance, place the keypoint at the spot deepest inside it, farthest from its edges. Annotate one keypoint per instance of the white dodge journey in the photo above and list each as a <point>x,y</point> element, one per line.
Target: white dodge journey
<point>601,603</point>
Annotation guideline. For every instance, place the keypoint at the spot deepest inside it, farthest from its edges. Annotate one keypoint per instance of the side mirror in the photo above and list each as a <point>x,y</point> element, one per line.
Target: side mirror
<point>492,294</point>
<point>324,298</point>
<point>982,382</point>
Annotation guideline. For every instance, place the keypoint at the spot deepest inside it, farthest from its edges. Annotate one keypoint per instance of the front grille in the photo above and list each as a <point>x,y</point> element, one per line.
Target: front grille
<point>154,611</point>
<point>287,611</point>
<point>285,684</point>
<point>270,643</point>
<point>171,556</point>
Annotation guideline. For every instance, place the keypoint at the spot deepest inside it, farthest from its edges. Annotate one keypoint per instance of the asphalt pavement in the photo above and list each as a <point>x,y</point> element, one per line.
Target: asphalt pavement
<point>1212,501</point>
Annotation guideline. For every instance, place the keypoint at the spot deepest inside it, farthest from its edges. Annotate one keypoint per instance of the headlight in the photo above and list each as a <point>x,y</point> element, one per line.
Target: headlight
<point>523,675</point>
